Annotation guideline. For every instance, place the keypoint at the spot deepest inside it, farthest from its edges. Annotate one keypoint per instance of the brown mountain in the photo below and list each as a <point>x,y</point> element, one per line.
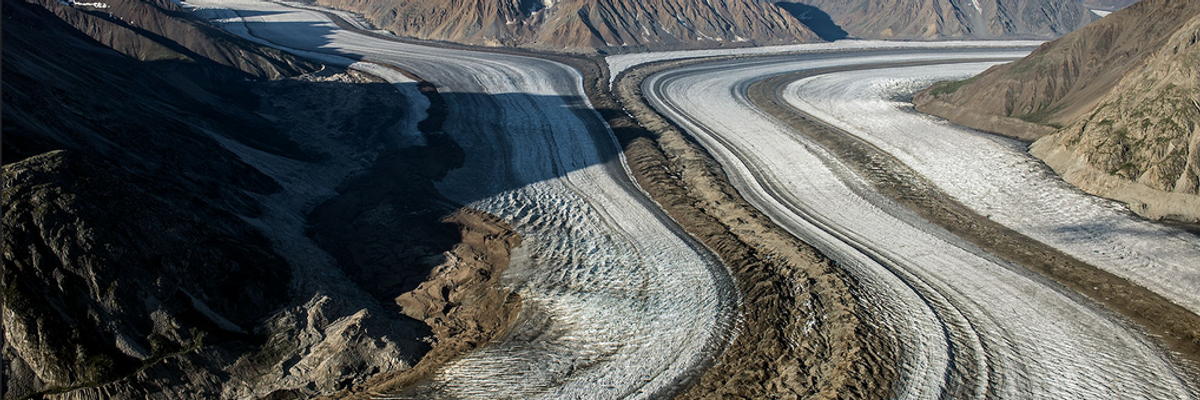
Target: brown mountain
<point>1113,107</point>
<point>585,25</point>
<point>627,25</point>
<point>937,19</point>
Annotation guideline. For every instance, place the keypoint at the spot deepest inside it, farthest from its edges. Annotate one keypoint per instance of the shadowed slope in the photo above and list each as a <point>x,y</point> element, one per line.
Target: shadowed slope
<point>144,255</point>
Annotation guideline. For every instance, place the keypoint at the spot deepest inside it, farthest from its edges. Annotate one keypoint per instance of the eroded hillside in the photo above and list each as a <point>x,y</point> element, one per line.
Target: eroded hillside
<point>934,19</point>
<point>586,25</point>
<point>1113,107</point>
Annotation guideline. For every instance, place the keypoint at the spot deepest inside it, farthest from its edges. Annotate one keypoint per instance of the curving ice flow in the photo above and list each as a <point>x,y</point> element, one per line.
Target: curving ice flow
<point>969,325</point>
<point>621,62</point>
<point>617,301</point>
<point>996,177</point>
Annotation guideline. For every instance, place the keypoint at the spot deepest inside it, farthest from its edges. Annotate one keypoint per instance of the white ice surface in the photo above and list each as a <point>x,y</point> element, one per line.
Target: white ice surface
<point>969,324</point>
<point>621,62</point>
<point>617,303</point>
<point>997,177</point>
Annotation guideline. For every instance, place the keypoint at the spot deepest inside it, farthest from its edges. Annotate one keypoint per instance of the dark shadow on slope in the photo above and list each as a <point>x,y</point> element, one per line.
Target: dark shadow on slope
<point>528,7</point>
<point>388,216</point>
<point>128,233</point>
<point>816,20</point>
<point>1108,5</point>
<point>1086,231</point>
<point>124,183</point>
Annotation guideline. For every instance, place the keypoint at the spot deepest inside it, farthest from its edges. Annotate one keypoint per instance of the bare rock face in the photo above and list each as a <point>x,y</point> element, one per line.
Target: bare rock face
<point>1113,107</point>
<point>586,25</point>
<point>458,301</point>
<point>938,19</point>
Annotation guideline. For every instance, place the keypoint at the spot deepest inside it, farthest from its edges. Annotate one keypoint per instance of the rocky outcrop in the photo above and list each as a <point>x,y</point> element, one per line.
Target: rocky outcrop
<point>586,25</point>
<point>939,19</point>
<point>1113,107</point>
<point>461,301</point>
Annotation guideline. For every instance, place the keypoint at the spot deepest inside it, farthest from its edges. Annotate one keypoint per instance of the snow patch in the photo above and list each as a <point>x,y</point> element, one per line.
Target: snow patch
<point>86,4</point>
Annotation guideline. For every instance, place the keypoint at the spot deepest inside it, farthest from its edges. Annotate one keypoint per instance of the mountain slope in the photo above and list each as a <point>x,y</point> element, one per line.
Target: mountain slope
<point>154,237</point>
<point>934,19</point>
<point>627,25</point>
<point>585,25</point>
<point>1114,106</point>
<point>158,30</point>
<point>130,268</point>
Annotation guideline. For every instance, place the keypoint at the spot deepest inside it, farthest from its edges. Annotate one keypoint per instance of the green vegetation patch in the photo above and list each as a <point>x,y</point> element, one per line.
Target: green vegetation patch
<point>1041,117</point>
<point>1035,62</point>
<point>949,87</point>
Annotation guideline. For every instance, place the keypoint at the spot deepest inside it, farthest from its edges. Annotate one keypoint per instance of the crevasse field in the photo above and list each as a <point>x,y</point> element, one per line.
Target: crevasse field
<point>970,324</point>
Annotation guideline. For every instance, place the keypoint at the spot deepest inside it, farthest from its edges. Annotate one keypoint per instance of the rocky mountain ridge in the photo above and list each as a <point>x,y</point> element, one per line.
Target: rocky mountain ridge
<point>585,25</point>
<point>1112,107</point>
<point>624,25</point>
<point>160,30</point>
<point>938,19</point>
